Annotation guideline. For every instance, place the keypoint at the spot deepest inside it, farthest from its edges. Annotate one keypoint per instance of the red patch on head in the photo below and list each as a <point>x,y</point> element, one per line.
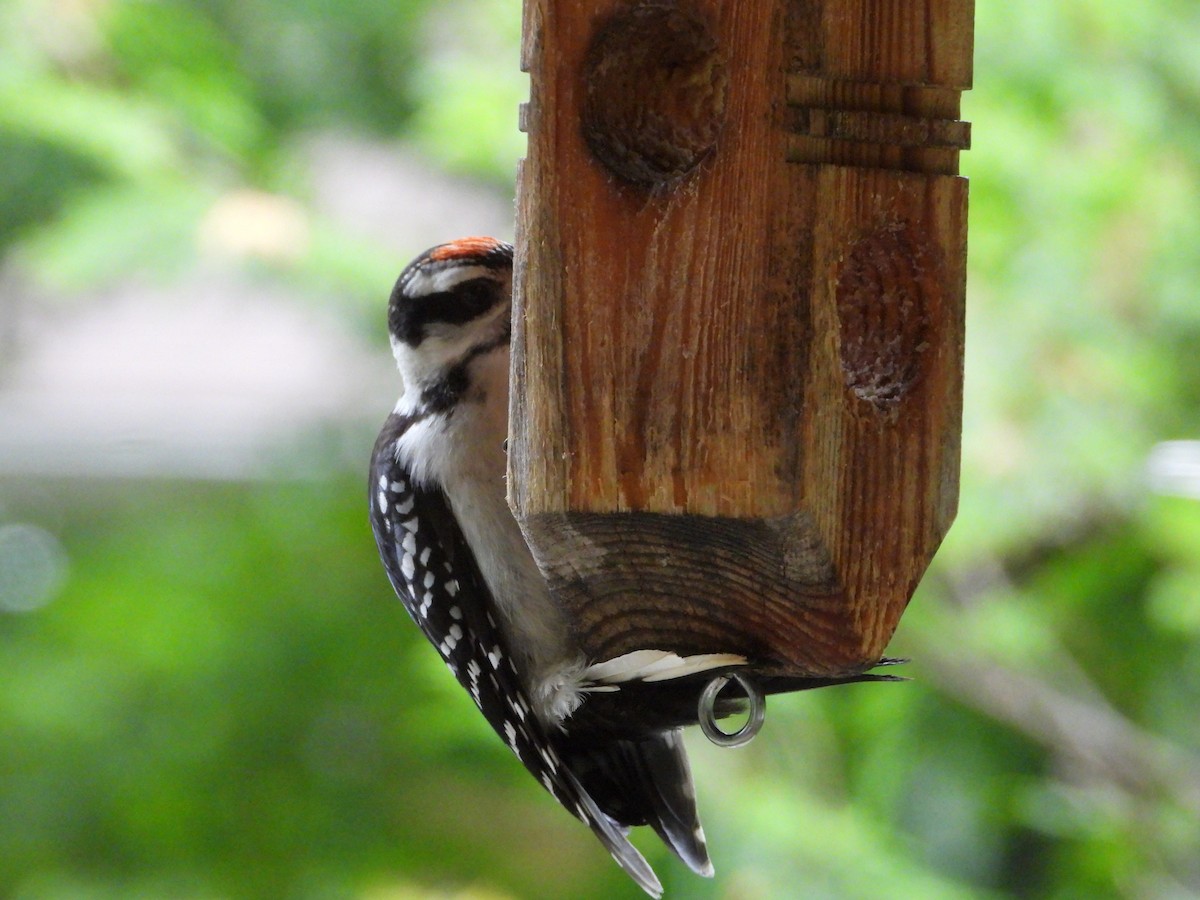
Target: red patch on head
<point>464,248</point>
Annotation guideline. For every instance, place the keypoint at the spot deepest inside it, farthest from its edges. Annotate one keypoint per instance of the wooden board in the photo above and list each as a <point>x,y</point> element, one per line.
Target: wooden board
<point>739,319</point>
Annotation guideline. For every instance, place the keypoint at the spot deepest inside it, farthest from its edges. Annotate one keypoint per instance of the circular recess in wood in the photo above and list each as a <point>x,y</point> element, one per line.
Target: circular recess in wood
<point>654,92</point>
<point>888,292</point>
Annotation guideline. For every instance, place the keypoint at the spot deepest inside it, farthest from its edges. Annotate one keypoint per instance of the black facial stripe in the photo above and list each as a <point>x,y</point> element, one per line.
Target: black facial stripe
<point>408,317</point>
<point>444,393</point>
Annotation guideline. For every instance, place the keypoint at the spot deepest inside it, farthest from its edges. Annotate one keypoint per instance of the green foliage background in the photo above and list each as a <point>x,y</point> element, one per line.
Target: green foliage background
<point>224,701</point>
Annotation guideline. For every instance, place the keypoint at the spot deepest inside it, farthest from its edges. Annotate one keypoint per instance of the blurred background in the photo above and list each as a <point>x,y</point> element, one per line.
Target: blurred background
<point>207,689</point>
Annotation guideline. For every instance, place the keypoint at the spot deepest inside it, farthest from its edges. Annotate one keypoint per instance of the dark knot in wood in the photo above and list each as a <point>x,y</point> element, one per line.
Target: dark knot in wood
<point>654,92</point>
<point>888,290</point>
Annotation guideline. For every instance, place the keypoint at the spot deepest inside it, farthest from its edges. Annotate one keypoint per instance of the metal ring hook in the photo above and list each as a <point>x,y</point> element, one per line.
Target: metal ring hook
<point>708,711</point>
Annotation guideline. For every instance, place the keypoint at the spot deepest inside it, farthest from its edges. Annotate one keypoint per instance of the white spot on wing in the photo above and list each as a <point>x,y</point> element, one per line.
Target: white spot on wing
<point>519,710</point>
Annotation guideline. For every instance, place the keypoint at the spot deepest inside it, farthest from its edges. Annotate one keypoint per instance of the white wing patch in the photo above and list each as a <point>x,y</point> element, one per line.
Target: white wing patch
<point>654,665</point>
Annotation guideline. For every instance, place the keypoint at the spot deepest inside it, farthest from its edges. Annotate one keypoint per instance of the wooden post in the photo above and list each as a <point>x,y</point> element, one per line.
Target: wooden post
<point>739,318</point>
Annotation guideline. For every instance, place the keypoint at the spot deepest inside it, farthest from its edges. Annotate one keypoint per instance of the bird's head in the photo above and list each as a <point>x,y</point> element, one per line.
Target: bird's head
<point>450,304</point>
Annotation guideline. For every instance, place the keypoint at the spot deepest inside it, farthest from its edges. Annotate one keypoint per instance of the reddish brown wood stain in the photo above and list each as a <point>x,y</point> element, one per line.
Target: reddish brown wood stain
<point>738,344</point>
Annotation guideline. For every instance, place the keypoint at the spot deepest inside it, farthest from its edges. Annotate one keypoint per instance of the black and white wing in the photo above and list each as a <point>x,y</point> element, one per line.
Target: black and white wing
<point>435,575</point>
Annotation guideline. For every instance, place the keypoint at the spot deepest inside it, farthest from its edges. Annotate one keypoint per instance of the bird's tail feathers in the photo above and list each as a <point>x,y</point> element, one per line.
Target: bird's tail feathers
<point>666,777</point>
<point>647,781</point>
<point>616,841</point>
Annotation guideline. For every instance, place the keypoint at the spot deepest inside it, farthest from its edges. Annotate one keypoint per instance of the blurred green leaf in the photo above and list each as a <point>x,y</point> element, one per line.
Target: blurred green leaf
<point>226,701</point>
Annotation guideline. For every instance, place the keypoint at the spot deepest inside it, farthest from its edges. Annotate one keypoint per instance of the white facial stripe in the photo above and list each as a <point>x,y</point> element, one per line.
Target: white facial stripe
<point>439,280</point>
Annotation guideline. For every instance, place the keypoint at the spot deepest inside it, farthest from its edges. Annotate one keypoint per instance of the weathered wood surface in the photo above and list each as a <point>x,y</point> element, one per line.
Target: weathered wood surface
<point>739,318</point>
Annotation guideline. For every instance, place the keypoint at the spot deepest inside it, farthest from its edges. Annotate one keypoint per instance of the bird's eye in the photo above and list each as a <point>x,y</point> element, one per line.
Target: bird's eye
<point>475,297</point>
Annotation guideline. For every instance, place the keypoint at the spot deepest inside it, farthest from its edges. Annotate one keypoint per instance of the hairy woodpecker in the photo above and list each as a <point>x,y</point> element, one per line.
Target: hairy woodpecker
<point>457,559</point>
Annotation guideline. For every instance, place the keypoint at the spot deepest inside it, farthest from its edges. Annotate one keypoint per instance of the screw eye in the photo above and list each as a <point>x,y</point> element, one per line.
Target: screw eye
<point>708,712</point>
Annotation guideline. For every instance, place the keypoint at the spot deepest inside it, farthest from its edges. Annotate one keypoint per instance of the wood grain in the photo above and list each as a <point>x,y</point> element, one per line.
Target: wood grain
<point>737,373</point>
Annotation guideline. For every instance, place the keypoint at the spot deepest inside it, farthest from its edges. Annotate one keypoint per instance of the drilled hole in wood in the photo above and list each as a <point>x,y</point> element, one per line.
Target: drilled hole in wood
<point>654,92</point>
<point>887,292</point>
